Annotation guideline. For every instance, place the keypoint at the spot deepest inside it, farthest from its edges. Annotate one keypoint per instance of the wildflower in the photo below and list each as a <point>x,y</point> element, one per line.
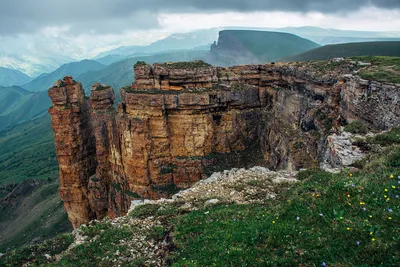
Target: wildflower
<point>373,239</point>
<point>341,218</point>
<point>348,195</point>
<point>371,233</point>
<point>389,218</point>
<point>352,185</point>
<point>398,182</point>
<point>386,189</point>
<point>323,264</point>
<point>397,196</point>
<point>351,175</point>
<point>348,229</point>
<point>358,243</point>
<point>387,199</point>
<point>385,196</point>
<point>297,218</point>
<point>364,209</point>
<point>362,203</point>
<point>391,176</point>
<point>273,222</point>
<point>373,193</point>
<point>370,216</point>
<point>393,187</point>
<point>321,214</point>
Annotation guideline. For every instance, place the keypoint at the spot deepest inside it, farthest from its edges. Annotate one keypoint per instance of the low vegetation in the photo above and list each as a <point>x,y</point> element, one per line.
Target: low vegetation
<point>356,127</point>
<point>187,65</point>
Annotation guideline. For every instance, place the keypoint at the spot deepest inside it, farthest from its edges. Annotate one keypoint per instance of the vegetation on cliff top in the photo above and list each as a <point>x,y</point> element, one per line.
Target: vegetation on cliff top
<point>189,65</point>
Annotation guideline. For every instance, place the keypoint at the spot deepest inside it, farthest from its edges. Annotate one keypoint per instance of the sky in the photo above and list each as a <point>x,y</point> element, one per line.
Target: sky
<point>83,28</point>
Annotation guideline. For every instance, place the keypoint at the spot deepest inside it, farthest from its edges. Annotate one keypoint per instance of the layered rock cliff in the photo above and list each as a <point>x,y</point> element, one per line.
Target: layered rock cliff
<point>179,122</point>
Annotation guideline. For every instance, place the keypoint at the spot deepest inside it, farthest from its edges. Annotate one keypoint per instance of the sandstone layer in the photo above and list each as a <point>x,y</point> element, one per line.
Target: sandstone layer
<point>180,122</point>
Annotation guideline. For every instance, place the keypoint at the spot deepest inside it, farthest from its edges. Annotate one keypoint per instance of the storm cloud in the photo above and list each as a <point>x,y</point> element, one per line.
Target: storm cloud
<point>112,16</point>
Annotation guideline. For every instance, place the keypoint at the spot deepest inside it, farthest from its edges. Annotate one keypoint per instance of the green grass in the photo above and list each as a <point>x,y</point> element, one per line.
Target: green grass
<point>100,251</point>
<point>27,152</point>
<point>319,220</point>
<point>383,69</point>
<point>356,127</point>
<point>35,254</point>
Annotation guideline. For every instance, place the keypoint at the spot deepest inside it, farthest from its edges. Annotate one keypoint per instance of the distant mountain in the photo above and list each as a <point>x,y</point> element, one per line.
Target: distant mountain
<point>18,105</point>
<point>31,64</point>
<point>44,82</point>
<point>334,36</point>
<point>244,47</point>
<point>10,77</point>
<point>349,50</point>
<point>121,73</point>
<point>197,40</point>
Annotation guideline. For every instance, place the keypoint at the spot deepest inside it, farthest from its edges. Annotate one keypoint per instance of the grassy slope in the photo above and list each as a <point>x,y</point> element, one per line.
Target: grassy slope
<point>18,105</point>
<point>33,218</point>
<point>27,151</point>
<point>345,219</point>
<point>349,50</point>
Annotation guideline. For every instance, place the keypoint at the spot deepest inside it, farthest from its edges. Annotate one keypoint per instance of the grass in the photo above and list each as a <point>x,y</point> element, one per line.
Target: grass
<point>35,254</point>
<point>102,250</point>
<point>186,65</point>
<point>320,220</point>
<point>356,127</point>
<point>383,69</point>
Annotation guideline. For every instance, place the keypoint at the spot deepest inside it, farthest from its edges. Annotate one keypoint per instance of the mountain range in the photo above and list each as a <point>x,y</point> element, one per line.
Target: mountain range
<point>10,77</point>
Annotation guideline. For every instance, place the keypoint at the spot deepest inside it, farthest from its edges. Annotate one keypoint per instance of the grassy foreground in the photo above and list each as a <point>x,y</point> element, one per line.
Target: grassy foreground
<point>346,219</point>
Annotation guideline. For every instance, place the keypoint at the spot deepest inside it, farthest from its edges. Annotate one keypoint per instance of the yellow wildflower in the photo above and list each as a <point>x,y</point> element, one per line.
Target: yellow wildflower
<point>389,218</point>
<point>386,189</point>
<point>273,221</point>
<point>348,195</point>
<point>370,216</point>
<point>373,239</point>
<point>351,175</point>
<point>348,228</point>
<point>391,176</point>
<point>341,218</point>
<point>371,233</point>
<point>362,203</point>
<point>393,187</point>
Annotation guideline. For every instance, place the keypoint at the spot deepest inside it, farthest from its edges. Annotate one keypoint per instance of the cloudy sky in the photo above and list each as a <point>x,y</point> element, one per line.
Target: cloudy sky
<point>82,28</point>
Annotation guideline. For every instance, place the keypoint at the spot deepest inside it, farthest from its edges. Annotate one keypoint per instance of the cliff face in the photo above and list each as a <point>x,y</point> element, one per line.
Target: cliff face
<point>180,122</point>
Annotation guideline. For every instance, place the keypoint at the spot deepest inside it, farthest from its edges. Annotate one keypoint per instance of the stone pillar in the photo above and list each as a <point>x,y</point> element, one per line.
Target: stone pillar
<point>75,147</point>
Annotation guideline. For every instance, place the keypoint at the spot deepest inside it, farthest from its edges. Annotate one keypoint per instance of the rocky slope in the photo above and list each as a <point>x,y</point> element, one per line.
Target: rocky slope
<point>180,122</point>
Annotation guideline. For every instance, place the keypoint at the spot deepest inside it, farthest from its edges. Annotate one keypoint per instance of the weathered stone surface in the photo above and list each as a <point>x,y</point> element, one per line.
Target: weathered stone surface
<point>180,122</point>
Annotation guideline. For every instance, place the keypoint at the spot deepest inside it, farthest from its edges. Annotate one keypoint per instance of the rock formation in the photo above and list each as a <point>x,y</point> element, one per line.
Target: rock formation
<point>180,122</point>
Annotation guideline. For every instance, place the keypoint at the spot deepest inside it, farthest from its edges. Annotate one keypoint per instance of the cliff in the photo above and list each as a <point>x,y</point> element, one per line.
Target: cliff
<point>236,47</point>
<point>180,122</point>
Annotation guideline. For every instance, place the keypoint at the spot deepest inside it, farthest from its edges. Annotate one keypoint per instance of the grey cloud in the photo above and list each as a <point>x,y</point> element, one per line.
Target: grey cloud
<point>115,16</point>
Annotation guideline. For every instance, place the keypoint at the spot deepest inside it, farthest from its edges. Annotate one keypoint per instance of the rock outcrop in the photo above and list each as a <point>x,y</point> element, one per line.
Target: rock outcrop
<point>180,122</point>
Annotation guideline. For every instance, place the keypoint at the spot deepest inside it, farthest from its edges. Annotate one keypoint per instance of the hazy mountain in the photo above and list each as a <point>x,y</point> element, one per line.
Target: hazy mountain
<point>10,77</point>
<point>31,64</point>
<point>198,40</point>
<point>244,47</point>
<point>75,69</point>
<point>18,105</point>
<point>349,50</point>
